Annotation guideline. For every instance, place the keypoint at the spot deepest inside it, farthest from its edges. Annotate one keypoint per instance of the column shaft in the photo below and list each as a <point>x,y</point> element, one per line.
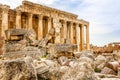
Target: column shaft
<point>30,23</point>
<point>56,25</point>
<point>4,20</point>
<point>49,24</point>
<point>82,37</point>
<point>40,27</point>
<point>18,20</point>
<point>78,37</point>
<point>87,38</point>
<point>65,29</point>
<point>71,32</point>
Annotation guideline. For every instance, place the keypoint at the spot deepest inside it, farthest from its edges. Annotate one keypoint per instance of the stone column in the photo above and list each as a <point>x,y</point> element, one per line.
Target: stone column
<point>87,38</point>
<point>78,36</point>
<point>49,24</point>
<point>4,19</point>
<point>30,23</point>
<point>40,27</point>
<point>18,19</point>
<point>57,26</point>
<point>82,37</point>
<point>71,32</point>
<point>65,29</point>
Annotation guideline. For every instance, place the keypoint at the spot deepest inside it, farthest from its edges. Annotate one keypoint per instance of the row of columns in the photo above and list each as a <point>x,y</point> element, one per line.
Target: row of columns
<point>80,35</point>
<point>68,34</point>
<point>30,23</point>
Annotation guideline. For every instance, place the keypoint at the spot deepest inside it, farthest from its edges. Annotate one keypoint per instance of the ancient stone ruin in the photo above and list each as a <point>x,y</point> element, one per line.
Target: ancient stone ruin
<point>42,43</point>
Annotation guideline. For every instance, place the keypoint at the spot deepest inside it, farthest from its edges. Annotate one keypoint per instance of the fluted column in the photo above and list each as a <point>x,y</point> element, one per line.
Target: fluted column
<point>87,37</point>
<point>4,20</point>
<point>71,32</point>
<point>18,19</point>
<point>82,37</point>
<point>78,36</point>
<point>30,23</point>
<point>49,24</point>
<point>40,27</point>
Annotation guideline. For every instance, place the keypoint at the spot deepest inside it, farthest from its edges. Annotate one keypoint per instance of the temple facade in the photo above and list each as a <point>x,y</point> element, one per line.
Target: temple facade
<point>41,19</point>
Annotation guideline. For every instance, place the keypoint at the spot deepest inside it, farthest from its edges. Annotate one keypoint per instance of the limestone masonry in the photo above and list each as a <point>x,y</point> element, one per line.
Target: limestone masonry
<point>68,29</point>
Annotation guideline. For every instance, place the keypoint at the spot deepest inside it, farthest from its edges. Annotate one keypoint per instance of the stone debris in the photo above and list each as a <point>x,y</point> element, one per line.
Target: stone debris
<point>107,70</point>
<point>37,60</point>
<point>100,62</point>
<point>63,61</point>
<point>17,70</point>
<point>113,65</point>
<point>116,55</point>
<point>2,43</point>
<point>77,54</point>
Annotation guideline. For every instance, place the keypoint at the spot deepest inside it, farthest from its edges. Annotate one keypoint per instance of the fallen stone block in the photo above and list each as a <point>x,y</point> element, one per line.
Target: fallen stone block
<point>113,65</point>
<point>17,70</point>
<point>107,70</point>
<point>77,54</point>
<point>1,51</point>
<point>118,72</point>
<point>63,61</point>
<point>100,62</point>
<point>116,55</point>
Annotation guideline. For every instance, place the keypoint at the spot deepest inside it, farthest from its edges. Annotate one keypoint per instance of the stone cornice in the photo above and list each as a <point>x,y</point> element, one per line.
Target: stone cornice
<point>45,9</point>
<point>5,8</point>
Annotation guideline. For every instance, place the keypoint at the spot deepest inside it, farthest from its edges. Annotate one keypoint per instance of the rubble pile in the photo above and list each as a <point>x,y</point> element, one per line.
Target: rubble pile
<point>108,65</point>
<point>24,58</point>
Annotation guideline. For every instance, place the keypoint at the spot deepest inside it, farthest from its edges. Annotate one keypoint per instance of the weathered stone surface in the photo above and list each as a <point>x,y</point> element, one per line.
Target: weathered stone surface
<point>22,54</point>
<point>116,55</point>
<point>1,51</point>
<point>100,62</point>
<point>107,70</point>
<point>113,65</point>
<point>17,70</point>
<point>118,72</point>
<point>2,47</point>
<point>77,54</point>
<point>63,61</point>
<point>82,70</point>
<point>55,49</point>
<point>2,42</point>
<point>110,79</point>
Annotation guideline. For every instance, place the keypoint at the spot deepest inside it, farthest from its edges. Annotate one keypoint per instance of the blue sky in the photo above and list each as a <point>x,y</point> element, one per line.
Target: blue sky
<point>103,15</point>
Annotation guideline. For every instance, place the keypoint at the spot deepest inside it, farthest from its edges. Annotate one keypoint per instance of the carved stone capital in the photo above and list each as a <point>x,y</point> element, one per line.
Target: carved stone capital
<point>30,15</point>
<point>5,9</point>
<point>40,17</point>
<point>18,12</point>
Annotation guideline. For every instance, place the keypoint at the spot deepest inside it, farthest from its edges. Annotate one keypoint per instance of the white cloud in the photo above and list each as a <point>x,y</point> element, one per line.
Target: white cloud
<point>102,14</point>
